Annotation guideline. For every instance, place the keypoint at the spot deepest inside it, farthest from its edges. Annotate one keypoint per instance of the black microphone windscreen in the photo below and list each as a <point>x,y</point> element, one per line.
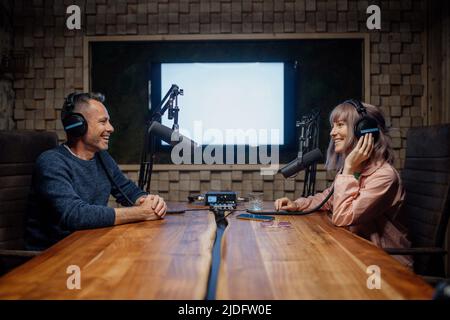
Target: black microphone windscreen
<point>291,168</point>
<point>161,131</point>
<point>168,135</point>
<point>297,164</point>
<point>312,157</point>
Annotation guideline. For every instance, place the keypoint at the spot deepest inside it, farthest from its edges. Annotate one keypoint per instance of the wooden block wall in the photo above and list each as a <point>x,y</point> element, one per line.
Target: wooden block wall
<point>397,52</point>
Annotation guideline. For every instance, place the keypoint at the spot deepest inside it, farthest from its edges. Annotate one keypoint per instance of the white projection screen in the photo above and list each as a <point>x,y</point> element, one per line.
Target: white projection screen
<point>228,103</point>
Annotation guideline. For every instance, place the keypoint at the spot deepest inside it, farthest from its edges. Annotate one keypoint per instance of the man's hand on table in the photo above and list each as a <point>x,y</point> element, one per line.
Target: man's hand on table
<point>156,206</point>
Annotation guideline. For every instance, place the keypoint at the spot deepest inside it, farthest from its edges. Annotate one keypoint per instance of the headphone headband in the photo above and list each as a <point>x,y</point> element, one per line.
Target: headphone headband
<point>358,106</point>
<point>72,99</point>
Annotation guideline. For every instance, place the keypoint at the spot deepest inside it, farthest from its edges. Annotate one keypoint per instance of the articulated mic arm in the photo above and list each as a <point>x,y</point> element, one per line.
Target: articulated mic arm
<point>169,102</point>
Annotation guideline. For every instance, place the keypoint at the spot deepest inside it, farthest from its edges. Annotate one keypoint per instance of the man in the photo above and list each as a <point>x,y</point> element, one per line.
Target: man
<point>72,182</point>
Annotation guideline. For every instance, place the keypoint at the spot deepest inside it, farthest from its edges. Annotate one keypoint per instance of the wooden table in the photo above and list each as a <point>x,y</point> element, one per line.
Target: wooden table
<point>171,259</point>
<point>165,259</point>
<point>310,260</point>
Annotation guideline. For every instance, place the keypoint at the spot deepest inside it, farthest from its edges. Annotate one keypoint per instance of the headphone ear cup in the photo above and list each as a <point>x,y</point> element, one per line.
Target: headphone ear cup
<point>75,125</point>
<point>367,125</point>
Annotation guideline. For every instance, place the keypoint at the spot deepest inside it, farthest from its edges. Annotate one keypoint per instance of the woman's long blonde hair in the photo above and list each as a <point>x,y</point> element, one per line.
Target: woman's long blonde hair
<point>347,113</point>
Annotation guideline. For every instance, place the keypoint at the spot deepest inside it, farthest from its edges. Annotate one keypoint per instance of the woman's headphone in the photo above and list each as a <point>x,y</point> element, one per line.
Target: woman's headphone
<point>74,123</point>
<point>365,124</point>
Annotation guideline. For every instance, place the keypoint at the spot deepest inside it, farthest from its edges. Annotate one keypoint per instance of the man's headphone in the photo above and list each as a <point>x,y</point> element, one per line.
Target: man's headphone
<point>73,122</point>
<point>365,124</point>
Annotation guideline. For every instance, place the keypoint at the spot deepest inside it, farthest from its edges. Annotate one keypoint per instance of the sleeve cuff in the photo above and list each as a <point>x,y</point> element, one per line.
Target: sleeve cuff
<point>110,216</point>
<point>138,195</point>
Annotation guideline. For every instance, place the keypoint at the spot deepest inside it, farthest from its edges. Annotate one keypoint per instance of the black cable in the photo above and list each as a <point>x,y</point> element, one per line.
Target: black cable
<point>174,211</point>
<point>295,213</point>
<point>112,180</point>
<point>225,216</point>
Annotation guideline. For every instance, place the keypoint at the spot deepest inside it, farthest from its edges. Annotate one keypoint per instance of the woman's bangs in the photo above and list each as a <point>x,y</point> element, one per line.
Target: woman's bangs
<point>341,113</point>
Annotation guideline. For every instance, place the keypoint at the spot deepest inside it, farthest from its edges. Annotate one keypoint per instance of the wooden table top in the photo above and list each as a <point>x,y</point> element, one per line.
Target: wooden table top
<point>171,259</point>
<point>310,260</point>
<point>164,259</point>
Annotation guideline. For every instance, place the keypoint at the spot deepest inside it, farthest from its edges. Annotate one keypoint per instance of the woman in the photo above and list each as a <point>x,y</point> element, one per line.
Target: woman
<point>367,189</point>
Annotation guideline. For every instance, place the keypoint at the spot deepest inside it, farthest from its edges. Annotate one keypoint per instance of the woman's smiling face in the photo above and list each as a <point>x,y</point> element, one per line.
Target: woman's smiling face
<point>339,133</point>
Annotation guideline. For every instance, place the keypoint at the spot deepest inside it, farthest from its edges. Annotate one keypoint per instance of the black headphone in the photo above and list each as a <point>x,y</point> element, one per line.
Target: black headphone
<point>365,124</point>
<point>73,122</point>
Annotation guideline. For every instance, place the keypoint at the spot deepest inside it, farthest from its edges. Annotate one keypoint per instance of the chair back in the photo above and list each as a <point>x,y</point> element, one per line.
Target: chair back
<point>426,178</point>
<point>18,153</point>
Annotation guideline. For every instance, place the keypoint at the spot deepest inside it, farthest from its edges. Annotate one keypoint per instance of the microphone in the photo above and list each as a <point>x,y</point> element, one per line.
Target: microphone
<point>168,135</point>
<point>298,164</point>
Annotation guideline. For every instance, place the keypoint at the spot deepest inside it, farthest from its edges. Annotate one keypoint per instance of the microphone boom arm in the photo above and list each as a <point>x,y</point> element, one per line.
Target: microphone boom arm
<point>148,150</point>
<point>307,141</point>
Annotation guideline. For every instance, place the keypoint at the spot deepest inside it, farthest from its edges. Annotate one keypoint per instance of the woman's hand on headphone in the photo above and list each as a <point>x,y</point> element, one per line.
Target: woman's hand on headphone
<point>362,151</point>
